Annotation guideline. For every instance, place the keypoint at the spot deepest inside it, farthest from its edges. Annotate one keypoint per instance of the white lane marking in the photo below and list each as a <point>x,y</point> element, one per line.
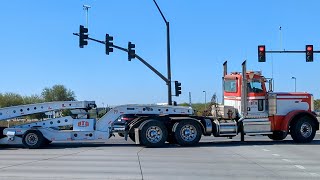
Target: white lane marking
<point>276,155</point>
<point>287,160</point>
<point>266,150</point>
<point>314,174</point>
<point>299,166</point>
<point>258,146</point>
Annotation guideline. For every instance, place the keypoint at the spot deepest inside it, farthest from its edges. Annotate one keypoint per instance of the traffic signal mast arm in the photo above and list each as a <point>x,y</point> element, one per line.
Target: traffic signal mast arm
<point>284,51</point>
<point>137,56</point>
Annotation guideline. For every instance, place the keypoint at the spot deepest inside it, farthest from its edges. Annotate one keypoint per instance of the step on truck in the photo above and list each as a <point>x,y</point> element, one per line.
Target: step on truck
<point>247,108</point>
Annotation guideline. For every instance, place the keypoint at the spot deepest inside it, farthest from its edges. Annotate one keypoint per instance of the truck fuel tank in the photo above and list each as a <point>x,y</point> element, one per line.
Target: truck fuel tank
<point>224,112</point>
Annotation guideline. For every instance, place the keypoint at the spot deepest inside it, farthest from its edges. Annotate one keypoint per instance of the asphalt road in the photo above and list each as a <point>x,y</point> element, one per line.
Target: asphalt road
<point>214,158</point>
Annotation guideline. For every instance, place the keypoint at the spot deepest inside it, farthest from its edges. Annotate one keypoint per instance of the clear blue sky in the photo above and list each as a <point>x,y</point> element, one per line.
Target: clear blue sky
<point>38,49</point>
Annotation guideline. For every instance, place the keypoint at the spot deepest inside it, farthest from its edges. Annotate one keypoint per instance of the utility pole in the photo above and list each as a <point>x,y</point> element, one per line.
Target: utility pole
<point>168,55</point>
<point>205,102</point>
<point>295,83</point>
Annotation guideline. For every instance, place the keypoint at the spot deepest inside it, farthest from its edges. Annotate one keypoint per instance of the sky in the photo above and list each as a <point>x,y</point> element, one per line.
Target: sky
<point>38,48</point>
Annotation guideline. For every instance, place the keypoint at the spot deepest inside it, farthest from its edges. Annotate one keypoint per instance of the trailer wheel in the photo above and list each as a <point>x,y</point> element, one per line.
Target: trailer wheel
<point>153,133</point>
<point>187,133</point>
<point>278,135</point>
<point>303,130</point>
<point>33,139</point>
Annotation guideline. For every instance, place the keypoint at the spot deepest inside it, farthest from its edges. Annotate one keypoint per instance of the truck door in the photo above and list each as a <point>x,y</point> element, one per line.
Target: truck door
<point>256,98</point>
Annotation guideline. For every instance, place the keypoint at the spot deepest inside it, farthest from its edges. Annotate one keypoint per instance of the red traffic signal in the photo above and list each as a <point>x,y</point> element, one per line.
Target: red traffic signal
<point>309,53</point>
<point>261,53</point>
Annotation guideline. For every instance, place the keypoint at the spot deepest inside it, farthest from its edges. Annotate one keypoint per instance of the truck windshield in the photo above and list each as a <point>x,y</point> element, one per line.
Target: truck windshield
<point>255,87</point>
<point>230,85</point>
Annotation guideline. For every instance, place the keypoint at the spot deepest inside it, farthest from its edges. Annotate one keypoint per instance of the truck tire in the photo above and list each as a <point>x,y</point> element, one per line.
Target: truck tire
<point>188,133</point>
<point>278,135</point>
<point>153,133</point>
<point>33,139</point>
<point>303,130</point>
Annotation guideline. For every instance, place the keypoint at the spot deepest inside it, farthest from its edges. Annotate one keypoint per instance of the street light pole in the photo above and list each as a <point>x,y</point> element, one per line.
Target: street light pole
<point>205,102</point>
<point>168,55</point>
<point>295,83</point>
<point>86,8</point>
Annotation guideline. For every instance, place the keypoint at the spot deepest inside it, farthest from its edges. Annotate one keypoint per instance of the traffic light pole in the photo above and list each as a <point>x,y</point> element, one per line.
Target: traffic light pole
<point>168,55</point>
<point>137,56</point>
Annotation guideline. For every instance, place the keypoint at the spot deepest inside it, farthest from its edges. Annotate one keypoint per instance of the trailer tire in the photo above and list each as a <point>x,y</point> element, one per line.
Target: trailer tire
<point>187,133</point>
<point>33,139</point>
<point>278,135</point>
<point>153,133</point>
<point>303,130</point>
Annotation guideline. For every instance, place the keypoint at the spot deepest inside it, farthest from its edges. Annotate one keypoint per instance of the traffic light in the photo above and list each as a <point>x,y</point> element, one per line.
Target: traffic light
<point>262,53</point>
<point>309,53</point>
<point>83,36</point>
<point>131,51</point>
<point>177,86</point>
<point>109,44</point>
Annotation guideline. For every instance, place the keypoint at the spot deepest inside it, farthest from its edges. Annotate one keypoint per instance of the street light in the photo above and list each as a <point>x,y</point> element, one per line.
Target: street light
<point>295,83</point>
<point>205,101</point>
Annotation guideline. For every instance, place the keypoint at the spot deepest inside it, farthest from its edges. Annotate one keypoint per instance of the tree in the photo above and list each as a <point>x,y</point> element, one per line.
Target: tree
<point>10,99</point>
<point>58,93</point>
<point>317,104</point>
<point>32,99</point>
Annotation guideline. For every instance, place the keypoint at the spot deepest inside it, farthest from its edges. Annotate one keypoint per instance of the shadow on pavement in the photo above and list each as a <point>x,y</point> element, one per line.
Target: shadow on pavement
<point>213,143</point>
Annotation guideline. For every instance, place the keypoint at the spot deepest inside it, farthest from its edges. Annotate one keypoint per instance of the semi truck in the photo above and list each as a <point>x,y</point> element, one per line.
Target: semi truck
<point>248,107</point>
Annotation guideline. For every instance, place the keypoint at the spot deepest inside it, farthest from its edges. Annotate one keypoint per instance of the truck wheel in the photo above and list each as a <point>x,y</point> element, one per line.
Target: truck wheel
<point>153,133</point>
<point>303,130</point>
<point>33,139</point>
<point>187,133</point>
<point>278,135</point>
